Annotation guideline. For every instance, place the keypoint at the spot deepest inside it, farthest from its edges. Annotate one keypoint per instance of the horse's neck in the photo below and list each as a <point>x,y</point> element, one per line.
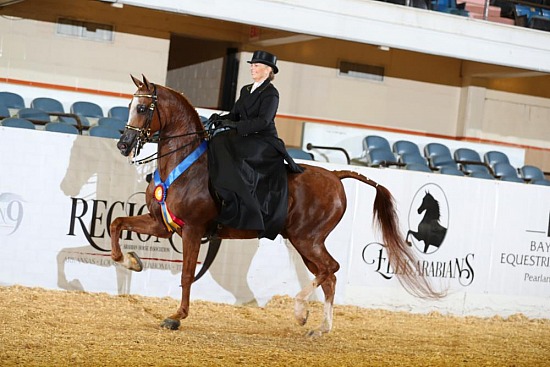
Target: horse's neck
<point>431,215</point>
<point>176,143</point>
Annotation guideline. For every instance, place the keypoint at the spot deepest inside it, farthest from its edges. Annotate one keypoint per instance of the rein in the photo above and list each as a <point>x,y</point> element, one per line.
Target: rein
<point>152,157</point>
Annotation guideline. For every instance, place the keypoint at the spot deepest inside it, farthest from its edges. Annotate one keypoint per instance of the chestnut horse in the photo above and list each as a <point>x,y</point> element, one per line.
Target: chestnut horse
<point>316,204</point>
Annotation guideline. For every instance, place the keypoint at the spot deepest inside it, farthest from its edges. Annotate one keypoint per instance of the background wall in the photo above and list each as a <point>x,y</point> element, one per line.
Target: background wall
<point>421,94</point>
<point>78,63</point>
<point>200,82</point>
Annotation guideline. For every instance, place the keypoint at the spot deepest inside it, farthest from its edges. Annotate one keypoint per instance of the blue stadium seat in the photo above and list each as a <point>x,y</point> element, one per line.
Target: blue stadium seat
<point>492,157</point>
<point>405,146</point>
<point>375,142</point>
<point>87,109</point>
<point>17,122</point>
<point>71,120</point>
<point>409,153</point>
<point>104,132</point>
<point>438,156</point>
<point>4,112</point>
<point>450,170</point>
<point>512,179</point>
<point>112,122</point>
<point>530,173</point>
<point>417,167</point>
<point>532,16</point>
<point>482,174</point>
<point>119,112</point>
<point>450,7</point>
<point>506,172</point>
<point>35,115</point>
<point>300,154</point>
<point>413,158</point>
<point>61,127</point>
<point>381,157</point>
<point>48,105</point>
<point>533,175</point>
<point>12,100</point>
<point>469,161</point>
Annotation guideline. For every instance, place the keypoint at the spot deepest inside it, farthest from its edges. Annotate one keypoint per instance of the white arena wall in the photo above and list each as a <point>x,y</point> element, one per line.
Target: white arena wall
<point>58,194</point>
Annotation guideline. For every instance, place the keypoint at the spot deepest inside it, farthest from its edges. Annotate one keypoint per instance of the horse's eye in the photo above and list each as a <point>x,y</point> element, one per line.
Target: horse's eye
<point>141,108</point>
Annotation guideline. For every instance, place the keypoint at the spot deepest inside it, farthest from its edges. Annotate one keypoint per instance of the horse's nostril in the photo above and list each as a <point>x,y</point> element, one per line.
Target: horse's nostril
<point>122,146</point>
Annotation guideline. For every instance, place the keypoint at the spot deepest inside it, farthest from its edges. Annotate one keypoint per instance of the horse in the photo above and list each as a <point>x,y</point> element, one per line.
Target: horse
<point>429,229</point>
<point>316,204</point>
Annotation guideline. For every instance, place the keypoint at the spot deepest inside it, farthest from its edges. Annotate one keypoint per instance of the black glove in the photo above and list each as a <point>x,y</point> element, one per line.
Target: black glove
<point>214,117</point>
<point>228,124</point>
<point>214,122</point>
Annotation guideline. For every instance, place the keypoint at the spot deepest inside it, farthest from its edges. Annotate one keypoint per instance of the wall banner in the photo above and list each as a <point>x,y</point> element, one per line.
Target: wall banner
<point>487,243</point>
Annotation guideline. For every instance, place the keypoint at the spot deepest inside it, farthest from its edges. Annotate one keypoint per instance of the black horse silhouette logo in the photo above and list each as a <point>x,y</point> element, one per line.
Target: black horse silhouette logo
<point>430,231</point>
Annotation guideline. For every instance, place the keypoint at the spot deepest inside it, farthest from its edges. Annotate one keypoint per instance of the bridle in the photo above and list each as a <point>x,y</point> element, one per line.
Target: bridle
<point>144,132</point>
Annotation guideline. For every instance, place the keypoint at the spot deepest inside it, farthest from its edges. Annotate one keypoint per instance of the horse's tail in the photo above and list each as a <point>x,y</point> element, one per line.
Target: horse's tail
<point>400,254</point>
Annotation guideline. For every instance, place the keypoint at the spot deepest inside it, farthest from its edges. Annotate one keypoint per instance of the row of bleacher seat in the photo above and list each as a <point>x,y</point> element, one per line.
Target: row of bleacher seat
<point>437,157</point>
<point>531,14</point>
<point>49,113</point>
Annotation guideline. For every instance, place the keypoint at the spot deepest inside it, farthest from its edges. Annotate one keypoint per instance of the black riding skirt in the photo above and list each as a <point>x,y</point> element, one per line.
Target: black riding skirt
<point>249,176</point>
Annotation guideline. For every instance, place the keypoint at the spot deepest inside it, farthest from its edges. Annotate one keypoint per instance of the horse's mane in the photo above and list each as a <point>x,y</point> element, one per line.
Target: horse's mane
<point>186,107</point>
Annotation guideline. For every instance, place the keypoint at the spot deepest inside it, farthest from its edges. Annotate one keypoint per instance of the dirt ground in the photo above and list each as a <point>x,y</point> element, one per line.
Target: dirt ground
<point>59,328</point>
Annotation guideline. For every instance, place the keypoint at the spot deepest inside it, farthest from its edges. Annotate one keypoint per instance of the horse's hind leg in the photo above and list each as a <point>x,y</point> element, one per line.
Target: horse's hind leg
<point>323,266</point>
<point>143,224</point>
<point>329,288</point>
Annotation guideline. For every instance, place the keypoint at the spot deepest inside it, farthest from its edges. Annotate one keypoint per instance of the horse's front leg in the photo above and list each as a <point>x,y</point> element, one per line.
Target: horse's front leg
<point>191,238</point>
<point>407,237</point>
<point>143,224</point>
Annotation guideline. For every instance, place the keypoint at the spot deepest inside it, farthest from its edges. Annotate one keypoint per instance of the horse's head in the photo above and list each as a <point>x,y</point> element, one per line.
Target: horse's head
<point>429,203</point>
<point>142,123</point>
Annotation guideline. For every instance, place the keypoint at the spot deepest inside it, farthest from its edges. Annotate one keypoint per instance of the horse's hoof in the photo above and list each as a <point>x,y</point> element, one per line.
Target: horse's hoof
<point>73,285</point>
<point>171,324</point>
<point>135,261</point>
<point>314,334</point>
<point>303,319</point>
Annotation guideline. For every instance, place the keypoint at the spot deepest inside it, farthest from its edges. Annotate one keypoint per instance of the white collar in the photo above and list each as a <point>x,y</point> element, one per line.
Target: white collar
<point>257,84</point>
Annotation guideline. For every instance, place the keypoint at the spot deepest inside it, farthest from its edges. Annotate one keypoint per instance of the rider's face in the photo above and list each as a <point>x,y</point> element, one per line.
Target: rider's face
<point>259,71</point>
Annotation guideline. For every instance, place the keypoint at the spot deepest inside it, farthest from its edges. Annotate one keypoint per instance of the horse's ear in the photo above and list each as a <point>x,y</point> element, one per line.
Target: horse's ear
<point>137,82</point>
<point>145,81</point>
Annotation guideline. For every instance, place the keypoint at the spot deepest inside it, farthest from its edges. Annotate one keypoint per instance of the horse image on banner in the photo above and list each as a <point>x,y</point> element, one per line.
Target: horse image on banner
<point>429,229</point>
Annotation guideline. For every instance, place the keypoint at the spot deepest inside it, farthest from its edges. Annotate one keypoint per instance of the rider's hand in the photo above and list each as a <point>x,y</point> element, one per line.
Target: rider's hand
<point>214,117</point>
<point>229,124</point>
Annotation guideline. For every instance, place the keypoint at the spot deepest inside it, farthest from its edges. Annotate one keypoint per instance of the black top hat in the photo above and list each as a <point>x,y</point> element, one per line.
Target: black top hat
<point>265,58</point>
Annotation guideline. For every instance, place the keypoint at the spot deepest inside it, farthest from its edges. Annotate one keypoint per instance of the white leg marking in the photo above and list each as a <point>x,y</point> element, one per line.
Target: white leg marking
<point>327,321</point>
<point>300,305</point>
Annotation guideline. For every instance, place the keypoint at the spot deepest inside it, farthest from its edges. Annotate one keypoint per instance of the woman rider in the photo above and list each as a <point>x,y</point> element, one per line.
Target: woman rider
<point>246,162</point>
